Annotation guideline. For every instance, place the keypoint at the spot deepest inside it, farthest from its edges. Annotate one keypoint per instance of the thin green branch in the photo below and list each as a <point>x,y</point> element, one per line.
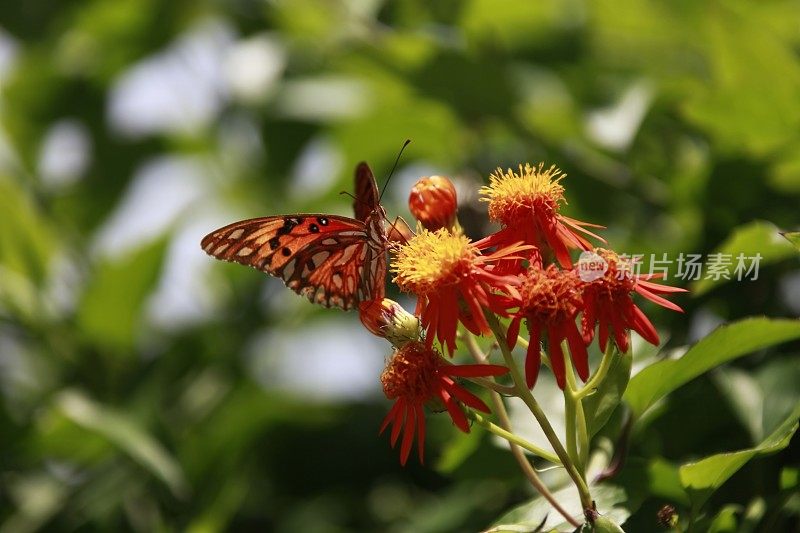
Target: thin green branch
<point>600,375</point>
<point>513,438</point>
<point>516,451</point>
<point>525,395</point>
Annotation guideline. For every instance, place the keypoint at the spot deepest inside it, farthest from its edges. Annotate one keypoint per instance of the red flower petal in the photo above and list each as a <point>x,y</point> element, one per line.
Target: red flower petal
<point>408,434</point>
<point>464,396</point>
<point>390,416</point>
<point>657,299</point>
<point>420,431</point>
<point>603,333</point>
<point>656,287</point>
<point>513,332</point>
<point>620,328</point>
<point>577,348</point>
<point>459,419</point>
<point>399,417</point>
<point>557,358</point>
<point>533,357</point>
<point>644,327</point>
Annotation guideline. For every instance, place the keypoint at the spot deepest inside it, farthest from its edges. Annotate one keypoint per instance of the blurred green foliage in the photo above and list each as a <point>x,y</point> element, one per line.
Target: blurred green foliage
<point>138,379</point>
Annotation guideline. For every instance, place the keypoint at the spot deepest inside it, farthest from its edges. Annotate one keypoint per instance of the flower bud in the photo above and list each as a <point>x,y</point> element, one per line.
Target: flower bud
<point>668,516</point>
<point>387,318</point>
<point>433,202</point>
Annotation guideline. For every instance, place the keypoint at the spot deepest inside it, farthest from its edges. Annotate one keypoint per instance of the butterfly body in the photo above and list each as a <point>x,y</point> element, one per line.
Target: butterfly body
<point>332,260</point>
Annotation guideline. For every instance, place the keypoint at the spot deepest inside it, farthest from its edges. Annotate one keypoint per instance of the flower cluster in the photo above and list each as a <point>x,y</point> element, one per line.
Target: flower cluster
<point>418,376</point>
<point>523,272</point>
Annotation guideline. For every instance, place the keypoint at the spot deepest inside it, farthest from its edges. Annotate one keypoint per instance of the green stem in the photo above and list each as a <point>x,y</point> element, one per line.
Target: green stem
<point>525,395</point>
<point>516,451</point>
<point>524,343</point>
<point>505,390</point>
<point>576,417</point>
<point>570,416</point>
<point>514,439</point>
<point>598,377</point>
<point>583,437</point>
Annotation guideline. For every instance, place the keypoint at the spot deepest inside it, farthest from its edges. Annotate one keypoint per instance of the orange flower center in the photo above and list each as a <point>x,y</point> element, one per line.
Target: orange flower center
<point>411,373</point>
<point>550,295</point>
<point>517,197</point>
<point>432,260</point>
<point>619,278</point>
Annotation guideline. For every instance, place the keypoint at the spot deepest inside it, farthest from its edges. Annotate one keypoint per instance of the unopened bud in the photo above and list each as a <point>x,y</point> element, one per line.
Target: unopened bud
<point>667,516</point>
<point>433,202</point>
<point>387,318</point>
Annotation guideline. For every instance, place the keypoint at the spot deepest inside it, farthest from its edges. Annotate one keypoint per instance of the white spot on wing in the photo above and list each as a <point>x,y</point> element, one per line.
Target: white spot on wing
<point>319,257</point>
<point>236,234</point>
<point>288,269</point>
<point>245,251</point>
<point>347,255</point>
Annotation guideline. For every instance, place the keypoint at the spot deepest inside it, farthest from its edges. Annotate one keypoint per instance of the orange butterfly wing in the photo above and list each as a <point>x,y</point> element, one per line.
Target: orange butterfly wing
<point>331,260</point>
<point>367,198</point>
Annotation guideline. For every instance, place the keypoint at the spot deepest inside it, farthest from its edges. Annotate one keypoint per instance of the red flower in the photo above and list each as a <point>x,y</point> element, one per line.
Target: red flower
<point>607,301</point>
<point>527,205</point>
<point>550,301</point>
<point>433,202</point>
<point>452,281</point>
<point>417,376</point>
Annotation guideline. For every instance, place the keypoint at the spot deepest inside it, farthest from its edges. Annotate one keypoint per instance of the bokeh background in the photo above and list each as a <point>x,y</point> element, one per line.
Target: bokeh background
<point>147,387</point>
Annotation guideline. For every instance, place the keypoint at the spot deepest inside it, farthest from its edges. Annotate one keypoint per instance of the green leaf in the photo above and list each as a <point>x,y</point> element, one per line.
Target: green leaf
<point>702,478</point>
<point>746,398</point>
<point>724,344</point>
<point>111,310</point>
<point>757,237</point>
<point>726,521</point>
<point>751,71</point>
<point>538,515</point>
<point>599,406</point>
<point>126,435</point>
<point>27,241</point>
<point>602,524</point>
<point>793,237</point>
<point>790,478</point>
<point>38,497</point>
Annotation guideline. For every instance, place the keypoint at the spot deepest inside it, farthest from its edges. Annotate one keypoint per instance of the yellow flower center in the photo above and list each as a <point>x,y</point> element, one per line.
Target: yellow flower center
<point>516,197</point>
<point>433,259</point>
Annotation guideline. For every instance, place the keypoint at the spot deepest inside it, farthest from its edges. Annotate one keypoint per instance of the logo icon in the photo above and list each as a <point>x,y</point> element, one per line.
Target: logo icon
<point>591,266</point>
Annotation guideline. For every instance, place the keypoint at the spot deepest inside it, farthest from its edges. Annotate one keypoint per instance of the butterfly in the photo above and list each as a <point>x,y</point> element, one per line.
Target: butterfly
<point>332,260</point>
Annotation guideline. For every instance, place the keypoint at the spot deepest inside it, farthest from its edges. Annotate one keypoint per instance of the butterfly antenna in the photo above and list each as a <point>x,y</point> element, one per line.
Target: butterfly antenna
<point>348,194</point>
<point>397,160</point>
